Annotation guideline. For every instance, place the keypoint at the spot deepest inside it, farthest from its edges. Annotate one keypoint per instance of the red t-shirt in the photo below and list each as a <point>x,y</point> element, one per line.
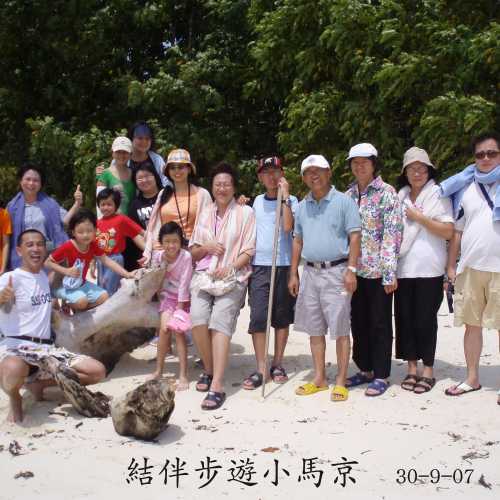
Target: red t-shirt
<point>68,253</point>
<point>112,233</point>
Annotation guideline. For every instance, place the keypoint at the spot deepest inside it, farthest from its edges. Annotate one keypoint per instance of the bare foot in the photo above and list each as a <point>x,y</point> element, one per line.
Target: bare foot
<point>182,384</point>
<point>16,409</point>
<point>153,376</point>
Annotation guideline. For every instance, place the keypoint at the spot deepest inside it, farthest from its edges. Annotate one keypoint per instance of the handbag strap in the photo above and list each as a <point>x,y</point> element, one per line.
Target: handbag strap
<point>486,195</point>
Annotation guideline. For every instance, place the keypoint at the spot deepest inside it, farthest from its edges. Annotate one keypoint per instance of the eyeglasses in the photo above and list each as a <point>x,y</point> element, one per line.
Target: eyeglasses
<point>422,169</point>
<point>144,178</point>
<point>491,153</point>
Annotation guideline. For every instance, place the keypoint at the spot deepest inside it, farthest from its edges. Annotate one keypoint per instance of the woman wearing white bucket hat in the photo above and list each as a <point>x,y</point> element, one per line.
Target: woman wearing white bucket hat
<point>428,223</point>
<point>371,307</point>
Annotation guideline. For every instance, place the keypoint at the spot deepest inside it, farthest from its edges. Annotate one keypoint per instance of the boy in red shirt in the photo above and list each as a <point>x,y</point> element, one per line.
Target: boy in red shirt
<point>77,253</point>
<point>112,231</point>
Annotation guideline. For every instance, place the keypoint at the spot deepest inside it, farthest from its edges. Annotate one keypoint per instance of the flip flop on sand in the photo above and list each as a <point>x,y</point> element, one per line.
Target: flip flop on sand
<point>309,388</point>
<point>339,393</point>
<point>358,379</point>
<point>460,389</point>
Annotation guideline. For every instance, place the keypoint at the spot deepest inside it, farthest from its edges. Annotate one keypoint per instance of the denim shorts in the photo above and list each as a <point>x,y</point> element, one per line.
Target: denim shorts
<point>88,291</point>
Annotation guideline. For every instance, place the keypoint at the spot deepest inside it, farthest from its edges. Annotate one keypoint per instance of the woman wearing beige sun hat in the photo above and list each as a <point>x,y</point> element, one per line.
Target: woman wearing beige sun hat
<point>428,223</point>
<point>181,203</point>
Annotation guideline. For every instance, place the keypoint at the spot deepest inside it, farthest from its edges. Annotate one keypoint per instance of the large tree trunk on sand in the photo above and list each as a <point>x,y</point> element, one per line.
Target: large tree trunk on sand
<point>122,323</point>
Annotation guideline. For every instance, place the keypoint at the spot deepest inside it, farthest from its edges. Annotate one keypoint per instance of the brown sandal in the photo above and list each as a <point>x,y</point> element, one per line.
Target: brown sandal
<point>425,384</point>
<point>409,382</point>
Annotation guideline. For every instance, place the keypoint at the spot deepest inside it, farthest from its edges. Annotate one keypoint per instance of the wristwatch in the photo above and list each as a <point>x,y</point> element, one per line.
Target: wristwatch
<point>352,269</point>
<point>287,201</point>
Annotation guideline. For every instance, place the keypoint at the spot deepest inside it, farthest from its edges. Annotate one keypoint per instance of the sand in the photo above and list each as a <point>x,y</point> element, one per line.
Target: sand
<point>73,457</point>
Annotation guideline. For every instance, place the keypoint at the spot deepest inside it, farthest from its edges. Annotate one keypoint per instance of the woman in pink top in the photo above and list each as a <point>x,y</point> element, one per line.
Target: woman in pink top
<point>223,243</point>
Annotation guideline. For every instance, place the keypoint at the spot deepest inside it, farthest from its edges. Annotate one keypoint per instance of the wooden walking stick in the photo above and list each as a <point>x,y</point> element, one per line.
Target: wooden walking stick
<point>271,288</point>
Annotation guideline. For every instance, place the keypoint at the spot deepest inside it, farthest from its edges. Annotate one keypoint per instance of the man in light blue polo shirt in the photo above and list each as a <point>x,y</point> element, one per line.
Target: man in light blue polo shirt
<point>328,238</point>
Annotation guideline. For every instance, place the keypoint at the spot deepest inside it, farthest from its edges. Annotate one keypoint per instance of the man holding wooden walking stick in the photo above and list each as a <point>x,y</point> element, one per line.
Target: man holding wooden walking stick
<point>327,236</point>
<point>270,174</point>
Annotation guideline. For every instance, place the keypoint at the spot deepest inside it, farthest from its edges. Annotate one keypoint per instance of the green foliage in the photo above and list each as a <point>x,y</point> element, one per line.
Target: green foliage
<point>237,79</point>
<point>9,184</point>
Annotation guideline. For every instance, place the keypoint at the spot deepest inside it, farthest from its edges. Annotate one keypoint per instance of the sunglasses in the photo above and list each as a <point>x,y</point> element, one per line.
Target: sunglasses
<point>178,167</point>
<point>491,153</point>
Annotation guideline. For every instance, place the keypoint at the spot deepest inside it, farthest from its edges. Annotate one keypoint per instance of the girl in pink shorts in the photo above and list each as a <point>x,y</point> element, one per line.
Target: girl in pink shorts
<point>174,299</point>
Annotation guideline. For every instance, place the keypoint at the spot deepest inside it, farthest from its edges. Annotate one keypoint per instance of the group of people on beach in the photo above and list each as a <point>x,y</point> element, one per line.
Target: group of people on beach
<point>359,249</point>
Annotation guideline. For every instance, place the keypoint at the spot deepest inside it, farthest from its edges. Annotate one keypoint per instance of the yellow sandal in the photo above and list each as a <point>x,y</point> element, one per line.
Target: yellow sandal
<point>339,393</point>
<point>308,389</point>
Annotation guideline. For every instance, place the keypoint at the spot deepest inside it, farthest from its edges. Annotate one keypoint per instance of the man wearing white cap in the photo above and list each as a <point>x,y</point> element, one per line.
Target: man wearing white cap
<point>381,233</point>
<point>327,237</point>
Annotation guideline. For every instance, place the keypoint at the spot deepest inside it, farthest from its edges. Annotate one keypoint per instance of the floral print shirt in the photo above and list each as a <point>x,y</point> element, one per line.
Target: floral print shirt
<point>381,229</point>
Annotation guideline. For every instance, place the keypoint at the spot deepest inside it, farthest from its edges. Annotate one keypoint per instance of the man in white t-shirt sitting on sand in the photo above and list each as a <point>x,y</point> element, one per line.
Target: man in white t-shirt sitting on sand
<point>25,310</point>
<point>475,194</point>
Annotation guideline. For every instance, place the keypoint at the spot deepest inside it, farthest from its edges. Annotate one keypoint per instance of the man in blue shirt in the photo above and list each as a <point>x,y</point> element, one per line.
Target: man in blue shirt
<point>271,176</point>
<point>328,238</point>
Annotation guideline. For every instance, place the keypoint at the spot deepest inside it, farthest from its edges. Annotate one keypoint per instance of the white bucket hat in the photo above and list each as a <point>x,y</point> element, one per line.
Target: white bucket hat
<point>416,154</point>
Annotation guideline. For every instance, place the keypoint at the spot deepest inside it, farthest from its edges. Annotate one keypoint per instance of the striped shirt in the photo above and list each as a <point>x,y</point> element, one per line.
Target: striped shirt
<point>236,233</point>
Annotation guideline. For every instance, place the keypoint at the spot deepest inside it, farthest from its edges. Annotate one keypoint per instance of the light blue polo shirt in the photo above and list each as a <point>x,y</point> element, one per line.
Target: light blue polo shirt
<point>265,216</point>
<point>324,226</point>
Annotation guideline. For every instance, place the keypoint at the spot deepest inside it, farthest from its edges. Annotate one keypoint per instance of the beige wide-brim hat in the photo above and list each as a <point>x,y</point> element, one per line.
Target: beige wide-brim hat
<point>180,156</point>
<point>416,154</point>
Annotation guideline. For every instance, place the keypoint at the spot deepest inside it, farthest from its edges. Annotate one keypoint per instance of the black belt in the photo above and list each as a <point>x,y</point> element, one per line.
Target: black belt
<point>325,265</point>
<point>36,340</point>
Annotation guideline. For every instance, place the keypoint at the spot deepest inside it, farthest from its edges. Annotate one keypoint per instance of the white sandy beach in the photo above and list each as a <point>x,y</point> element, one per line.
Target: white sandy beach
<point>73,457</point>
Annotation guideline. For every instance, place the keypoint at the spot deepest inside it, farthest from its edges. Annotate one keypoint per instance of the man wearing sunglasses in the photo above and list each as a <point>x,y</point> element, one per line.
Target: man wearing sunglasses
<point>475,194</point>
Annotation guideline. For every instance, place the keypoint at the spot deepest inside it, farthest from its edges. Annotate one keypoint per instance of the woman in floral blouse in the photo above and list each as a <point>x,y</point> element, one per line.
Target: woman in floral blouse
<point>371,307</point>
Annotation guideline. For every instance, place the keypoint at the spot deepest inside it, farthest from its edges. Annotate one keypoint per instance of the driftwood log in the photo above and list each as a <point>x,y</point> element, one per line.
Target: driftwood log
<point>144,412</point>
<point>124,322</point>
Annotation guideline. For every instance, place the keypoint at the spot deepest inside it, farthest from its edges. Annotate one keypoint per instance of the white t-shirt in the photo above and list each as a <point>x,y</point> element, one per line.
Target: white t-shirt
<point>427,256</point>
<point>30,314</point>
<point>480,249</point>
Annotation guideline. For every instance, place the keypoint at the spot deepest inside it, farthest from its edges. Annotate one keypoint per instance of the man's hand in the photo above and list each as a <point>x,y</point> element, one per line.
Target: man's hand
<point>392,287</point>
<point>293,285</point>
<point>78,196</point>
<point>451,272</point>
<point>72,272</point>
<point>283,184</point>
<point>130,274</point>
<point>214,248</point>
<point>242,199</point>
<point>8,295</point>
<point>350,281</point>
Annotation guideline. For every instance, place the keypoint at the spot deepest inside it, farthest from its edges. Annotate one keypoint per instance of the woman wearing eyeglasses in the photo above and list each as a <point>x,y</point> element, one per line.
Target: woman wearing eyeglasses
<point>428,223</point>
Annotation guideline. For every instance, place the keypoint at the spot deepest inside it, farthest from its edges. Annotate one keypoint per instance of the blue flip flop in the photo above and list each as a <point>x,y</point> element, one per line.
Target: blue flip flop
<point>378,385</point>
<point>358,379</point>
